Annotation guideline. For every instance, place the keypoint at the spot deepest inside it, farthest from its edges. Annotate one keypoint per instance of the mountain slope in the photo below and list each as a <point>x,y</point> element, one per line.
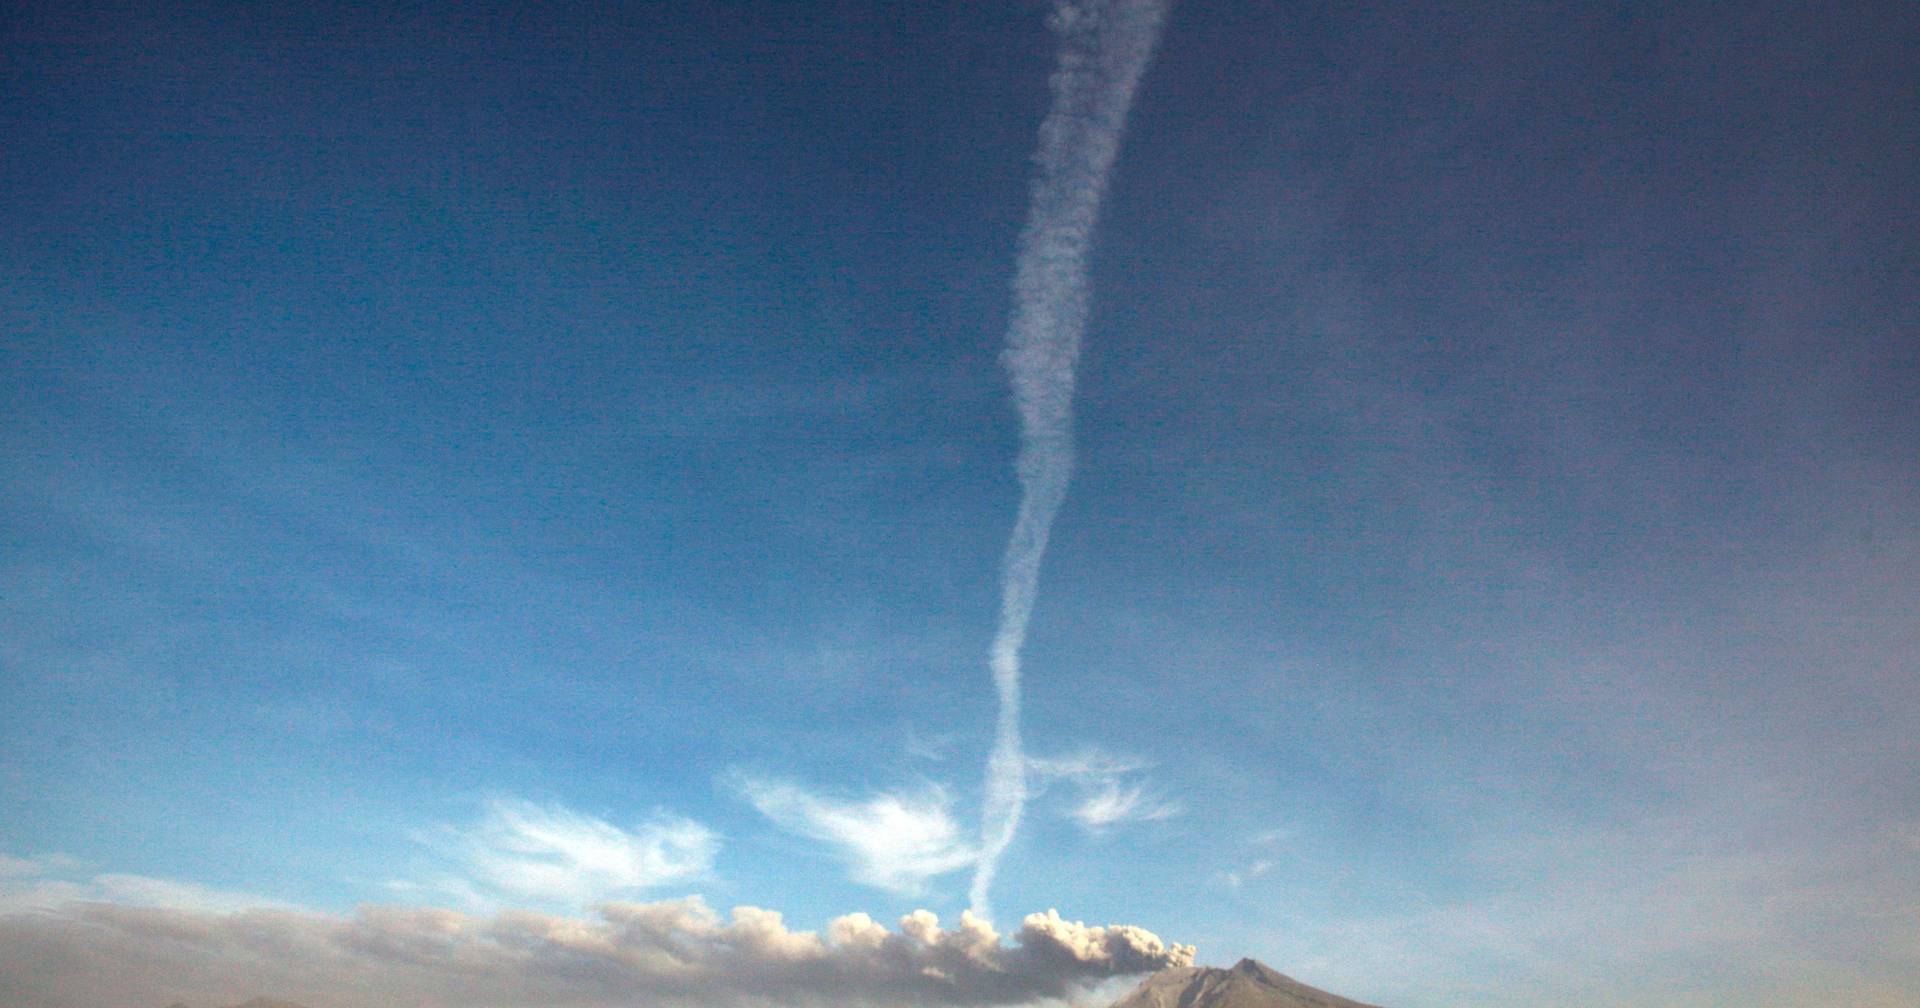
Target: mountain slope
<point>1247,985</point>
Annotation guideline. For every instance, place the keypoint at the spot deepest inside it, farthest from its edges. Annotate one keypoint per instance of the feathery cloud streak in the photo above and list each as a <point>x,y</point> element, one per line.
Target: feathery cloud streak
<point>524,851</point>
<point>894,840</point>
<point>1110,791</point>
<point>1104,48</point>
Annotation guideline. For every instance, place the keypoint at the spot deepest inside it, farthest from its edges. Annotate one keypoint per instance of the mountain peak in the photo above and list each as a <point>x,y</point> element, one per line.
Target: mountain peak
<point>1260,971</point>
<point>1248,984</point>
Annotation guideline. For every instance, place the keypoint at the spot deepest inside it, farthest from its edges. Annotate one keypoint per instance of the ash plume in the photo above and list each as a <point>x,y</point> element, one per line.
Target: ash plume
<point>674,954</point>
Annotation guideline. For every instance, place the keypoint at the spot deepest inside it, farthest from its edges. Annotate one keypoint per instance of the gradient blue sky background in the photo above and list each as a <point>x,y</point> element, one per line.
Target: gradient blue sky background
<point>1490,569</point>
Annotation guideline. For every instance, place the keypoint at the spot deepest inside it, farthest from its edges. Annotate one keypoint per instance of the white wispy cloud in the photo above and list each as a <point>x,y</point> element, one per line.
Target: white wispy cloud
<point>550,855</point>
<point>1088,762</point>
<point>1266,844</point>
<point>933,748</point>
<point>1109,789</point>
<point>893,840</point>
<point>676,953</point>
<point>1241,876</point>
<point>1112,804</point>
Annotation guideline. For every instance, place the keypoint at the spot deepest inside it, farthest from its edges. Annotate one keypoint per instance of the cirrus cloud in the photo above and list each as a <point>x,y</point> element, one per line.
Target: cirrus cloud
<point>892,840</point>
<point>1109,791</point>
<point>551,855</point>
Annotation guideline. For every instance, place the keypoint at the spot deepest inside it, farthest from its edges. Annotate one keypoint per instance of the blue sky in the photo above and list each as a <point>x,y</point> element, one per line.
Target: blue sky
<point>1488,574</point>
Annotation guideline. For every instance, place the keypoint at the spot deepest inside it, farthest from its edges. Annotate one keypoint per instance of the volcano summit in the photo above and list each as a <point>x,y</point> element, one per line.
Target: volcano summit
<point>1248,984</point>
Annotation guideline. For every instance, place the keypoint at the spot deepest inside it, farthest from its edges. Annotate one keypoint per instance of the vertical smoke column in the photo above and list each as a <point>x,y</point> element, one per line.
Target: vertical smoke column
<point>1104,47</point>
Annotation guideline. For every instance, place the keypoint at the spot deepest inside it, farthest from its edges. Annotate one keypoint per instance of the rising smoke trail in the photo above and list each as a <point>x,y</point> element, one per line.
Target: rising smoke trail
<point>1104,47</point>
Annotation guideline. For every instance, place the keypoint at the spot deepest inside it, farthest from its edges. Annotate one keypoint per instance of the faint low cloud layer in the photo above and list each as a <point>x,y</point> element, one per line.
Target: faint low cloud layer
<point>49,882</point>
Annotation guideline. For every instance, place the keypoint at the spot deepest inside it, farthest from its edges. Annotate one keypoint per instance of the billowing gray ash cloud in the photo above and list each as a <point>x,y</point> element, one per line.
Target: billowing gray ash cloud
<point>671,953</point>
